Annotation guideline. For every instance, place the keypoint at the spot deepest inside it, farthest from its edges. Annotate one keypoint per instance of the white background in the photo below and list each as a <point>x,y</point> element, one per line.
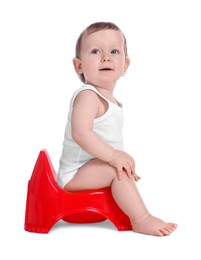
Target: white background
<point>161,98</point>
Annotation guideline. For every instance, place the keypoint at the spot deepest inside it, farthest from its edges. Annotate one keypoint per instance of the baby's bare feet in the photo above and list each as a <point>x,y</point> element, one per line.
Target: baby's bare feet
<point>151,225</point>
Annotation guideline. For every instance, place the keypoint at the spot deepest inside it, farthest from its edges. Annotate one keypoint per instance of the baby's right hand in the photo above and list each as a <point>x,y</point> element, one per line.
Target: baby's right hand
<point>123,162</point>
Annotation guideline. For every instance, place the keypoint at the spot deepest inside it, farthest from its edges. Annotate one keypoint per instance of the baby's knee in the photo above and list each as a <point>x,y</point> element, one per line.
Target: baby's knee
<point>127,178</point>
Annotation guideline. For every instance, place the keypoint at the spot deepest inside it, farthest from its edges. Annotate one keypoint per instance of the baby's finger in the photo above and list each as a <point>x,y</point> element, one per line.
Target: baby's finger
<point>119,173</point>
<point>136,177</point>
<point>128,170</point>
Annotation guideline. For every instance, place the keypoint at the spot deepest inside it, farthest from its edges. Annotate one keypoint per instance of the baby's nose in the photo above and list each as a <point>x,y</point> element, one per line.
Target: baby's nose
<point>105,58</point>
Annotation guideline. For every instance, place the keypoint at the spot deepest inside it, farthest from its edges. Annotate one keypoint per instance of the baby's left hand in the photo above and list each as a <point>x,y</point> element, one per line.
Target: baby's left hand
<point>124,164</point>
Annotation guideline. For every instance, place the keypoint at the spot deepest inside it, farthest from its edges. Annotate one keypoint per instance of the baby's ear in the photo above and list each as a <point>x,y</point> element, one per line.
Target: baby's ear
<point>127,63</point>
<point>77,65</point>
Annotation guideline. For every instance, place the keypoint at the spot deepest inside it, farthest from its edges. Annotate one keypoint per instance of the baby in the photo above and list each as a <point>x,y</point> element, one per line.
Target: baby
<point>93,155</point>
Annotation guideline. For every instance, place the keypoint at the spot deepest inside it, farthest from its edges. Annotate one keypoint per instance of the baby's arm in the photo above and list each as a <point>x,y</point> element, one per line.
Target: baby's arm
<point>85,110</point>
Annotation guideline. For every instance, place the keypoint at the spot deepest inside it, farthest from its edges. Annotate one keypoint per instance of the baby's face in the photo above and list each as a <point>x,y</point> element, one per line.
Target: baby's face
<point>102,57</point>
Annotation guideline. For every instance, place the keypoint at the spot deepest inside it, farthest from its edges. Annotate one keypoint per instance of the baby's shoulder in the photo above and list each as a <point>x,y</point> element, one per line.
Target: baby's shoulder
<point>86,96</point>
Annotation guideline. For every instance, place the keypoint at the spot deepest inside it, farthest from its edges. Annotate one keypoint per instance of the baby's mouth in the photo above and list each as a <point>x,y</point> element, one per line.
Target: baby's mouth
<point>106,69</point>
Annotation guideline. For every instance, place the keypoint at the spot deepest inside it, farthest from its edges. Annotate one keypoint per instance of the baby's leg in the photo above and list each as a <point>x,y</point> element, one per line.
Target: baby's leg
<point>98,174</point>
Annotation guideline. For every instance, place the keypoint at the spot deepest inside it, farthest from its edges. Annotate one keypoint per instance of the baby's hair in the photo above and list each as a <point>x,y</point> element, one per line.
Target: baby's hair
<point>95,27</point>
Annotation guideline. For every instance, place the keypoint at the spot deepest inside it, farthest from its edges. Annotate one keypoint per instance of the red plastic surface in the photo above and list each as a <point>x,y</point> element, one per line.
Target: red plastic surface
<point>47,203</point>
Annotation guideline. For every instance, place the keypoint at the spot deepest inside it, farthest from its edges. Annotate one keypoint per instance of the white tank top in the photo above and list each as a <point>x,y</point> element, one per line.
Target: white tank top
<point>108,127</point>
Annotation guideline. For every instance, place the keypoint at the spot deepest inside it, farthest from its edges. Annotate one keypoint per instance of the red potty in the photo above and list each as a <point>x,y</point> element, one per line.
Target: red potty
<point>47,203</point>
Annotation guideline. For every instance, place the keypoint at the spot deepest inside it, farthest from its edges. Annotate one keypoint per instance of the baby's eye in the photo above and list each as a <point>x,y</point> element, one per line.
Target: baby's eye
<point>115,51</point>
<point>95,51</point>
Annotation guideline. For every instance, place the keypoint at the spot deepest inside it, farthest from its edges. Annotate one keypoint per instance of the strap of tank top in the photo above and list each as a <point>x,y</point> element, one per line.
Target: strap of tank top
<point>90,87</point>
<point>86,86</point>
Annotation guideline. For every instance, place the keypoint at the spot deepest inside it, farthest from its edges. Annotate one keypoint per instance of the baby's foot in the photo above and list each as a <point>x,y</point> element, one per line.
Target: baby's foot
<point>151,225</point>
